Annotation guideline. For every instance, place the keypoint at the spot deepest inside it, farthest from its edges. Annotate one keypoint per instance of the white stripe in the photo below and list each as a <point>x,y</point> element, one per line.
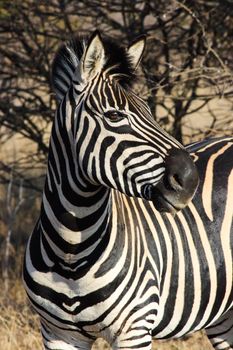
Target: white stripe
<point>208,181</point>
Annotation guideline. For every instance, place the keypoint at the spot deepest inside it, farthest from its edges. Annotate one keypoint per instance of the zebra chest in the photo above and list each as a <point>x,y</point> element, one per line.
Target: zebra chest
<point>100,299</point>
<point>98,306</point>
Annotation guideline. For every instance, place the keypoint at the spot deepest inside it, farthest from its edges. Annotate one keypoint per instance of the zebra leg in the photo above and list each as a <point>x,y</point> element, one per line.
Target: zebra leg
<point>220,333</point>
<point>53,342</point>
<point>139,339</point>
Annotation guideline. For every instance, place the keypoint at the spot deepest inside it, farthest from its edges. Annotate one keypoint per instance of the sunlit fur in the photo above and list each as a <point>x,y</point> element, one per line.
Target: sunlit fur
<point>94,138</point>
<point>101,263</point>
<point>68,57</point>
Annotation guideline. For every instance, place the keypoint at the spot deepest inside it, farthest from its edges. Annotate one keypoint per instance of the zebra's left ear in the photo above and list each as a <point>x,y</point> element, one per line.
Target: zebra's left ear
<point>136,49</point>
<point>94,57</point>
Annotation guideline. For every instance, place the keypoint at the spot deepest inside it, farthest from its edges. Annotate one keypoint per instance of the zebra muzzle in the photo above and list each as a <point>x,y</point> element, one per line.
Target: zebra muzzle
<point>177,186</point>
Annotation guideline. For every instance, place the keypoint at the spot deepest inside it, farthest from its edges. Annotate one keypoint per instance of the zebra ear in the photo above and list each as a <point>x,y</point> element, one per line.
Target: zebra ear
<point>135,50</point>
<point>94,57</point>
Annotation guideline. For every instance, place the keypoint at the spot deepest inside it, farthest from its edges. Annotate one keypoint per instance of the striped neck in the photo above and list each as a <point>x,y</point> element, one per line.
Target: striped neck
<point>75,234</point>
<point>76,213</point>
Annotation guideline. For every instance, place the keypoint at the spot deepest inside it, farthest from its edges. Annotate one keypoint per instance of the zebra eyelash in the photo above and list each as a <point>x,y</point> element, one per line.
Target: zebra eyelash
<point>114,116</point>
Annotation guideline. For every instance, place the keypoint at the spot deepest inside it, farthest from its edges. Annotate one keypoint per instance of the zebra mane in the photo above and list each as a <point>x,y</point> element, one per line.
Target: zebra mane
<point>67,58</point>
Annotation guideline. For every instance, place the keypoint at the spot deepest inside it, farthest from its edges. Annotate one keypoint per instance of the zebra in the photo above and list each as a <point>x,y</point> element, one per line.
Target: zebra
<point>112,254</point>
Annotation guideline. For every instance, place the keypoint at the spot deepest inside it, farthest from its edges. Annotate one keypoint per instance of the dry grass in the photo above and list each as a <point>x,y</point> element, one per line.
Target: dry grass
<point>19,327</point>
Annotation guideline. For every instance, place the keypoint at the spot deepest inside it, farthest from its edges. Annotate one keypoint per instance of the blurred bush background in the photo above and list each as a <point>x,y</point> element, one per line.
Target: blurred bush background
<point>185,76</point>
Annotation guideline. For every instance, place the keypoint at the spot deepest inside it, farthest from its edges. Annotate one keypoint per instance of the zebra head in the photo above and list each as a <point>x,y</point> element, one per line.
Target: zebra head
<point>114,137</point>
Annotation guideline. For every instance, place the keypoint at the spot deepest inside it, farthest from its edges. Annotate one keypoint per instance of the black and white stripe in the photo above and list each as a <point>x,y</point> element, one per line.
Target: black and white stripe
<point>102,261</point>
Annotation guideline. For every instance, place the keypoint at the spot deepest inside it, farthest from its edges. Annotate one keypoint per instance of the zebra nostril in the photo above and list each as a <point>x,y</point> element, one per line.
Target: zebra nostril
<point>167,183</point>
<point>175,182</point>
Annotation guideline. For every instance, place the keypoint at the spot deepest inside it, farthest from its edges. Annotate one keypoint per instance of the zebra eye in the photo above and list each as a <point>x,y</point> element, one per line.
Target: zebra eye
<point>114,116</point>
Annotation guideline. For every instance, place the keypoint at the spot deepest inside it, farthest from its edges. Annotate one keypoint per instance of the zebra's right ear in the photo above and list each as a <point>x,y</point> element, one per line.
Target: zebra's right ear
<point>93,59</point>
<point>136,49</point>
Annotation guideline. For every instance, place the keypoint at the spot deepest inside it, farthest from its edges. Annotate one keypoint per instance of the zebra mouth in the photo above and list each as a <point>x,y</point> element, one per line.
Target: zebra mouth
<point>159,200</point>
<point>162,204</point>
